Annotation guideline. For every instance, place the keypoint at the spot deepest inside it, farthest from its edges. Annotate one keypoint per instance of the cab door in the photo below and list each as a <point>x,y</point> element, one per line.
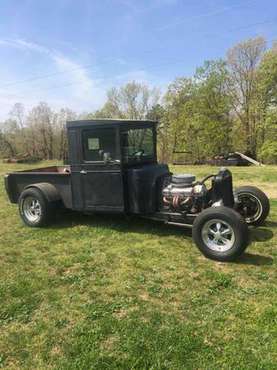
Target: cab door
<point>101,174</point>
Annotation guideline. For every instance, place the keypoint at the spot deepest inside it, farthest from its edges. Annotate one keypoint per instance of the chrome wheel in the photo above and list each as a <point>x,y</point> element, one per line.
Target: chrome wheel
<point>250,207</point>
<point>31,208</point>
<point>218,235</point>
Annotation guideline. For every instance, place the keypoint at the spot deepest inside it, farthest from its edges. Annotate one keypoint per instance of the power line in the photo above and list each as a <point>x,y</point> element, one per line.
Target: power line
<point>44,76</point>
<point>204,15</point>
<point>253,25</point>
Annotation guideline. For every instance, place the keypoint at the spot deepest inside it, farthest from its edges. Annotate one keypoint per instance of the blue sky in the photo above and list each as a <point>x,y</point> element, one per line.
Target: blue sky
<point>69,52</point>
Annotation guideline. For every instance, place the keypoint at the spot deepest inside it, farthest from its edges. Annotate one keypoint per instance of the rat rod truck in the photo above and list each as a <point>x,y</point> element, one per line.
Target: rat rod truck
<point>113,168</point>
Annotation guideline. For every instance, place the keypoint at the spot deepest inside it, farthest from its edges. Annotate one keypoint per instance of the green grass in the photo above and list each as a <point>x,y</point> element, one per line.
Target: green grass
<point>106,292</point>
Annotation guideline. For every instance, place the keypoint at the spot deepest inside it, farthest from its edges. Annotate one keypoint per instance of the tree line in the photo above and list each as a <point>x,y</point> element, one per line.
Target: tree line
<point>228,105</point>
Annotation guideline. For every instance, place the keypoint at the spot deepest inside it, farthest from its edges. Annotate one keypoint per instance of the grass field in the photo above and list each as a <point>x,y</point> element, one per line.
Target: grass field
<point>110,293</point>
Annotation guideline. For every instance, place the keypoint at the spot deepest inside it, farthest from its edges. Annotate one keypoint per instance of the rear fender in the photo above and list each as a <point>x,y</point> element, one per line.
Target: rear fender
<point>48,190</point>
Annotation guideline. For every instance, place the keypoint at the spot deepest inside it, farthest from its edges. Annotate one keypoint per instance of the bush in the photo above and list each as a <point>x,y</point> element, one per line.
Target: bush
<point>268,152</point>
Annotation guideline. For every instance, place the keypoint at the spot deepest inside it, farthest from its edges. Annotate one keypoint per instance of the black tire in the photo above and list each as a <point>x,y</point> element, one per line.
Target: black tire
<point>236,241</point>
<point>252,204</point>
<point>42,214</point>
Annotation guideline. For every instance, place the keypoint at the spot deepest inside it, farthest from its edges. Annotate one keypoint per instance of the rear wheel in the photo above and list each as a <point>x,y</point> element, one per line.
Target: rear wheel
<point>252,204</point>
<point>220,233</point>
<point>34,209</point>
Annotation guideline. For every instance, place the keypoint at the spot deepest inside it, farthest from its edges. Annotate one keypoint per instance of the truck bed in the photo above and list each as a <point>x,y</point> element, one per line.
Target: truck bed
<point>59,176</point>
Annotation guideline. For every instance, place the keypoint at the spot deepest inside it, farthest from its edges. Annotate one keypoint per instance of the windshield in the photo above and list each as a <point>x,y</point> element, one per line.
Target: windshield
<point>138,145</point>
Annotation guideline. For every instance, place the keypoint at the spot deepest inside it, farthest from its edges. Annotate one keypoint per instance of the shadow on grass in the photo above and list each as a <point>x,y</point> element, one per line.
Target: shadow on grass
<point>122,223</point>
<point>254,259</point>
<point>125,224</point>
<point>117,222</point>
<point>261,234</point>
<point>271,224</point>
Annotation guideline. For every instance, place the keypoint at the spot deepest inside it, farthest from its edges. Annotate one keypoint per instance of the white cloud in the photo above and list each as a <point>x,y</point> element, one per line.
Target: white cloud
<point>75,88</point>
<point>24,45</point>
<point>84,84</point>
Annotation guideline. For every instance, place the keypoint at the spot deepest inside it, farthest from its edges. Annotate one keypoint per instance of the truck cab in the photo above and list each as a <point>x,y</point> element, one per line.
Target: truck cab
<point>114,166</point>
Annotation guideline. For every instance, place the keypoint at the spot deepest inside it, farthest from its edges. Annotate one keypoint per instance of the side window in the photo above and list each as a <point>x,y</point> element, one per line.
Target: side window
<point>138,145</point>
<point>99,144</point>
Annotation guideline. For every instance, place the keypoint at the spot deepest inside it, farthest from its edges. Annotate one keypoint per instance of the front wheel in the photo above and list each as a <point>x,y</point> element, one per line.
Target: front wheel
<point>252,204</point>
<point>220,233</point>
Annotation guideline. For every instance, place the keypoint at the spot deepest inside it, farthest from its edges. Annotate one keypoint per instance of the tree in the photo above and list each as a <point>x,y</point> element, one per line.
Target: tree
<point>175,122</point>
<point>40,122</point>
<point>60,119</point>
<point>17,114</point>
<point>6,145</point>
<point>111,108</point>
<point>267,74</point>
<point>137,99</point>
<point>243,60</point>
<point>131,101</point>
<point>199,112</point>
<point>213,106</point>
<point>158,113</point>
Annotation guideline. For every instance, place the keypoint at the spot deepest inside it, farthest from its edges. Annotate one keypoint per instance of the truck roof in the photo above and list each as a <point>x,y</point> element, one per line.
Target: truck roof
<point>100,122</point>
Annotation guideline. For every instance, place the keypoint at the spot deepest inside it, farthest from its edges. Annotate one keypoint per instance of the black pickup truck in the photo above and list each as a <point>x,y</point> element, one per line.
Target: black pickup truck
<point>114,169</point>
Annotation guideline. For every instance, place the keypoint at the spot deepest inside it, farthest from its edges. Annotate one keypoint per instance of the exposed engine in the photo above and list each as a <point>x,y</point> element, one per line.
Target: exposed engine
<point>183,194</point>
